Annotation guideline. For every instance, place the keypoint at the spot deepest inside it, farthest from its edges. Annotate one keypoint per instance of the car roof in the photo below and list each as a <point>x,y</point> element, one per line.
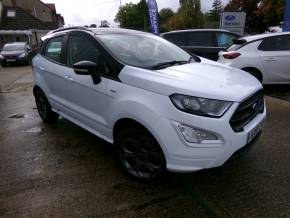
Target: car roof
<point>198,30</point>
<point>262,36</point>
<point>101,31</point>
<point>95,31</point>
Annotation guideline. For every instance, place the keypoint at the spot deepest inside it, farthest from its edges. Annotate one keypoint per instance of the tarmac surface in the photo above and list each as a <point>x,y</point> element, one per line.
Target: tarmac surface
<point>61,170</point>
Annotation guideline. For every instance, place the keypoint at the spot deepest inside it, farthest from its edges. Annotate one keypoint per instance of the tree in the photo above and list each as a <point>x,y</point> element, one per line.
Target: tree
<point>215,12</point>
<point>165,14</point>
<point>134,16</point>
<point>261,14</point>
<point>271,13</point>
<point>105,23</point>
<point>164,17</point>
<point>198,15</point>
<point>188,16</point>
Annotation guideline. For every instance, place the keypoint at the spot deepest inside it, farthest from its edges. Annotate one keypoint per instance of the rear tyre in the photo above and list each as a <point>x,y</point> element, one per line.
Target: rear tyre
<point>139,154</point>
<point>44,108</point>
<point>3,64</point>
<point>254,72</point>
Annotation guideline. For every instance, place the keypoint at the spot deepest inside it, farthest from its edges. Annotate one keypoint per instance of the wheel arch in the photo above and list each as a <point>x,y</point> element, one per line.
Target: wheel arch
<point>256,71</point>
<point>35,89</point>
<point>126,122</point>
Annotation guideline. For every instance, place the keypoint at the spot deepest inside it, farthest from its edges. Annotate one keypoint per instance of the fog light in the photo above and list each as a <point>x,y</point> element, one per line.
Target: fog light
<point>193,135</point>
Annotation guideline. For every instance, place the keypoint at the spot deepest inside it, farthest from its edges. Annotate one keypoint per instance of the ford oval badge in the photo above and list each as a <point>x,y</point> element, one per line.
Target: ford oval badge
<point>230,18</point>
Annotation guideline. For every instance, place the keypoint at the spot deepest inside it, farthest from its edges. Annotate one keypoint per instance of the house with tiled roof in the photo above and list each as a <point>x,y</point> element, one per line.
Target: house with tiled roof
<point>27,20</point>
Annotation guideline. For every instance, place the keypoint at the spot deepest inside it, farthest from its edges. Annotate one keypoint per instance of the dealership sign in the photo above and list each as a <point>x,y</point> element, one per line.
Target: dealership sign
<point>233,21</point>
<point>153,13</point>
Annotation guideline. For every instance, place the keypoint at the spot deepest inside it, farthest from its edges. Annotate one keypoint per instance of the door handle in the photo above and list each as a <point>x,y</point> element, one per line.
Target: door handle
<point>42,68</point>
<point>69,78</point>
<point>271,59</point>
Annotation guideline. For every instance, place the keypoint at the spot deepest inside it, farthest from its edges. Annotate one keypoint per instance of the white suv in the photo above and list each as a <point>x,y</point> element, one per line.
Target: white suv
<point>161,107</point>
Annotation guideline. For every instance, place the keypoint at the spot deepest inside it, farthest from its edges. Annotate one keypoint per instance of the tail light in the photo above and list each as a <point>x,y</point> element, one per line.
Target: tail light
<point>231,55</point>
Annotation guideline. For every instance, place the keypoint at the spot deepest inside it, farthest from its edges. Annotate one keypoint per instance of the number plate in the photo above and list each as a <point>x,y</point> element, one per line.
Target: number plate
<point>10,60</point>
<point>254,132</point>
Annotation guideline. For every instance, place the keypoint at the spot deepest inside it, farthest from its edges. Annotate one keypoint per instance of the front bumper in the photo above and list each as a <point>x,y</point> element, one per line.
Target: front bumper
<point>22,60</point>
<point>245,148</point>
<point>182,156</point>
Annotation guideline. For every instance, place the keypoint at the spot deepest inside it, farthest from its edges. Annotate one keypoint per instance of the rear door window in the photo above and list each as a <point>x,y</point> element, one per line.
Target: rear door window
<point>53,49</point>
<point>177,38</point>
<point>276,43</point>
<point>203,38</point>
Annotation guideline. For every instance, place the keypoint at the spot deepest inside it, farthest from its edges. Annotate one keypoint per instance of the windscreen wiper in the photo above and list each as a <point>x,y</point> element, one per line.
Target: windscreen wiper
<point>167,64</point>
<point>195,58</point>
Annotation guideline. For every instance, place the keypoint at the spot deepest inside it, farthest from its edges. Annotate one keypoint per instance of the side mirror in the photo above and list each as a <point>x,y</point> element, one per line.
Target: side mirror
<point>87,68</point>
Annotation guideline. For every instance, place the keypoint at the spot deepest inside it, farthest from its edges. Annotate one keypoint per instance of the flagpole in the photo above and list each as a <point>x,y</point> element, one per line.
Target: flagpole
<point>121,14</point>
<point>286,23</point>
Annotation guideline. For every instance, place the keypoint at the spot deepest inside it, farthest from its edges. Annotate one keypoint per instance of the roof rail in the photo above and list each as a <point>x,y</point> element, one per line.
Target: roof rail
<point>68,28</point>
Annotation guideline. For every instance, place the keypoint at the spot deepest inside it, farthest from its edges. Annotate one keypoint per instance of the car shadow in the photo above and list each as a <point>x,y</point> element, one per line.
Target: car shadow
<point>278,91</point>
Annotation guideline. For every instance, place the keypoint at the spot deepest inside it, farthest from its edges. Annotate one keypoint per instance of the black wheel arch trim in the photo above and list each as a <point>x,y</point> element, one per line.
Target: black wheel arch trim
<point>125,122</point>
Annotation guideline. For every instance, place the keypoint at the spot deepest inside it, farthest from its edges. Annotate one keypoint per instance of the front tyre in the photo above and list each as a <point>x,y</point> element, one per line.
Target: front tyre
<point>139,154</point>
<point>44,108</point>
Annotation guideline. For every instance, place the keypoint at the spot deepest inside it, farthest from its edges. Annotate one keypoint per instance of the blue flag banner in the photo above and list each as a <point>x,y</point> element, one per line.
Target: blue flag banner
<point>153,13</point>
<point>286,23</point>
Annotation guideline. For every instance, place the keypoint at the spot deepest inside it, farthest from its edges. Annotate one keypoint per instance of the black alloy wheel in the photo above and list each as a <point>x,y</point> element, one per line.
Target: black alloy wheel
<point>140,155</point>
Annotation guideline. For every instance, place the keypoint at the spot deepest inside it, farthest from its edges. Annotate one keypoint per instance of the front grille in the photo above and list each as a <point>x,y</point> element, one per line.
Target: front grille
<point>10,57</point>
<point>247,111</point>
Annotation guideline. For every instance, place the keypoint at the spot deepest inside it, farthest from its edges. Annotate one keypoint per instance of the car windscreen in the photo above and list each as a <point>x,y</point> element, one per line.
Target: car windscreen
<point>14,47</point>
<point>143,50</point>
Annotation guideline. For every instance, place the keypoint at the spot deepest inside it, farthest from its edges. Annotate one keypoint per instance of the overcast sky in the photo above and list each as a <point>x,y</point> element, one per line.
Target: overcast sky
<point>86,12</point>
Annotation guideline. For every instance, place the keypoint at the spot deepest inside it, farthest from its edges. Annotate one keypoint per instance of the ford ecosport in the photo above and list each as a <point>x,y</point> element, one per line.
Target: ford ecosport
<point>161,107</point>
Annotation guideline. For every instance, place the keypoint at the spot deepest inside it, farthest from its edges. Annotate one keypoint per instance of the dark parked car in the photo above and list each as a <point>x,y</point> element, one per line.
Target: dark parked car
<point>206,43</point>
<point>16,52</point>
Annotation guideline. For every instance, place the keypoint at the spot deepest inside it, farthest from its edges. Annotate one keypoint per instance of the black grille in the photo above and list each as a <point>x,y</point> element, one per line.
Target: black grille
<point>247,111</point>
<point>10,57</point>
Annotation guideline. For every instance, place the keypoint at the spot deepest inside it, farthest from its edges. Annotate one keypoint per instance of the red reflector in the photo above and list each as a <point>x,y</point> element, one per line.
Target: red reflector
<point>231,55</point>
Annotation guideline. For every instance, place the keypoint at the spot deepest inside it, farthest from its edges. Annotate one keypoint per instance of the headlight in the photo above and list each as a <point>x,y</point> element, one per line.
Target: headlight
<point>1,56</point>
<point>200,106</point>
<point>22,55</point>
